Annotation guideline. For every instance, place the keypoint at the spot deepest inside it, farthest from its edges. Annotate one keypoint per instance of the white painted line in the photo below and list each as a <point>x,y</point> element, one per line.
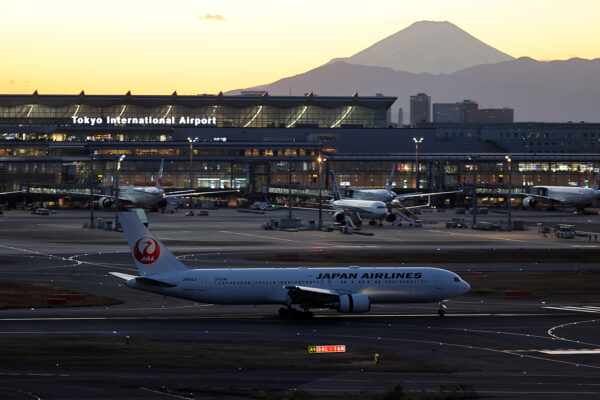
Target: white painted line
<point>263,237</point>
<point>594,310</point>
<point>571,351</point>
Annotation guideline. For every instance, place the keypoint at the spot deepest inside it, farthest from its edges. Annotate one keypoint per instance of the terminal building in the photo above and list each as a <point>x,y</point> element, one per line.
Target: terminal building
<point>259,143</point>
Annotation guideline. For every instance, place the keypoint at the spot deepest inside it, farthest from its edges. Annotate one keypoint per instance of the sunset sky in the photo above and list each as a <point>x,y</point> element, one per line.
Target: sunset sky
<point>205,46</point>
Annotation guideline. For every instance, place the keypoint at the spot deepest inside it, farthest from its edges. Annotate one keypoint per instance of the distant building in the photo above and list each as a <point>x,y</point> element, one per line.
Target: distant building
<point>471,113</point>
<point>420,109</point>
<point>468,111</point>
<point>447,112</point>
<point>492,116</point>
<point>400,117</point>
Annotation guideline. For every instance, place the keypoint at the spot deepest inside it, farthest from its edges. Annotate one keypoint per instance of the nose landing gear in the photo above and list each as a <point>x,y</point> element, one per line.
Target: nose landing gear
<point>442,310</point>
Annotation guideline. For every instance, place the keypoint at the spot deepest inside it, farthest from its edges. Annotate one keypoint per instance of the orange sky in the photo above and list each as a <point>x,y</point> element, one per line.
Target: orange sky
<point>155,47</point>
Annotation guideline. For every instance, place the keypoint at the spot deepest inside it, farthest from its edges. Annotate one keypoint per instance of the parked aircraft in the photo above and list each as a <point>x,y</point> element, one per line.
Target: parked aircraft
<point>561,195</point>
<point>347,290</point>
<point>387,195</point>
<point>149,196</point>
<point>366,209</point>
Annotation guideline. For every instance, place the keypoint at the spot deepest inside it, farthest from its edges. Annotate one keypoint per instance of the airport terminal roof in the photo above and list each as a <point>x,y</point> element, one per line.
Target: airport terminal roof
<point>203,100</point>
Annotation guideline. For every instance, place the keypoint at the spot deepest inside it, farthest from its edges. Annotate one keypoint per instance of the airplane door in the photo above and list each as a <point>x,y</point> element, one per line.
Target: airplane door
<point>438,281</point>
<point>201,284</point>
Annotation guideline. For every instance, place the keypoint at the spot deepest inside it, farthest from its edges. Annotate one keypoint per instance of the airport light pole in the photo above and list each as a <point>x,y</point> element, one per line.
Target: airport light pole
<point>473,160</point>
<point>119,161</point>
<point>191,141</point>
<point>290,187</point>
<point>91,182</point>
<point>418,169</point>
<point>320,160</point>
<point>509,161</point>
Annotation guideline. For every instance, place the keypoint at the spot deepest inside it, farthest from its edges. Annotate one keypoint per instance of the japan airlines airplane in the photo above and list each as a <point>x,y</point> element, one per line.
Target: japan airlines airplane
<point>563,195</point>
<point>149,196</point>
<point>347,290</point>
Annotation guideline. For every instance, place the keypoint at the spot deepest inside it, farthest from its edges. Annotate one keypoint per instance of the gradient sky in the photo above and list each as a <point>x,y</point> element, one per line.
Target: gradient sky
<point>205,46</point>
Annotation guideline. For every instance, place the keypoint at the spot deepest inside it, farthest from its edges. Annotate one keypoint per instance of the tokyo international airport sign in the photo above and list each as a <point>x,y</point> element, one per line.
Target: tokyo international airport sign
<point>148,120</point>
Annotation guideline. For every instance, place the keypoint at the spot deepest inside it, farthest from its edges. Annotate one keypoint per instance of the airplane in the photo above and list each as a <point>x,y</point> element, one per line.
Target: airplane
<point>387,195</point>
<point>366,209</point>
<point>561,195</point>
<point>263,206</point>
<point>148,196</point>
<point>347,290</point>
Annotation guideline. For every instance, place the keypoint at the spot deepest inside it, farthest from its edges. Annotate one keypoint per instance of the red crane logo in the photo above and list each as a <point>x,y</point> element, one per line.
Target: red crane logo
<point>146,250</point>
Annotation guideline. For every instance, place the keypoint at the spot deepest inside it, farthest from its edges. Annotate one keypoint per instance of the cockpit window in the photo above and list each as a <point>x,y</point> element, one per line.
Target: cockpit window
<point>456,279</point>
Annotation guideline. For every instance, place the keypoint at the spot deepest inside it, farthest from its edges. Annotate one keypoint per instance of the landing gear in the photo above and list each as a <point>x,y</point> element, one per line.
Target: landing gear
<point>372,222</point>
<point>442,311</point>
<point>292,313</point>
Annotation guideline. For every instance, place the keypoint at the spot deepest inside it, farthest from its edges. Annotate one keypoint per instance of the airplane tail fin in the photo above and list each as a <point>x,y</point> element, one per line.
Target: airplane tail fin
<point>335,189</point>
<point>597,181</point>
<point>150,255</point>
<point>160,174</point>
<point>388,184</point>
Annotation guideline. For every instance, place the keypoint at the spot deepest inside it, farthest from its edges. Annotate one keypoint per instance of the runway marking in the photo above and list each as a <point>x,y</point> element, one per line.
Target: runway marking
<point>571,351</point>
<point>553,329</point>
<point>70,258</point>
<point>465,347</point>
<point>166,394</point>
<point>554,243</point>
<point>263,237</point>
<point>586,309</point>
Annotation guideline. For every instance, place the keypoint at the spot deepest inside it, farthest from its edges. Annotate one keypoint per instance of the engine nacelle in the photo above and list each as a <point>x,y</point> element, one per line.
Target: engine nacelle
<point>390,217</point>
<point>354,303</point>
<point>105,202</point>
<point>529,202</point>
<point>162,203</point>
<point>339,217</point>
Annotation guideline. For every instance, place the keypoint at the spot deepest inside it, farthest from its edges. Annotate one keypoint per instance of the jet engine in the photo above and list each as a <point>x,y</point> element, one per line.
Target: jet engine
<point>390,217</point>
<point>354,303</point>
<point>339,217</point>
<point>529,202</point>
<point>105,202</point>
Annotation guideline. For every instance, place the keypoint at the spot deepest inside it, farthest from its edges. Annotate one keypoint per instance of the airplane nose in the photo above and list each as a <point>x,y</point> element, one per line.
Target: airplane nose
<point>466,286</point>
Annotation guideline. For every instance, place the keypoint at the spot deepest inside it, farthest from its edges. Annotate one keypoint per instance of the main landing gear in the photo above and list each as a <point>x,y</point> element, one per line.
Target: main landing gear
<point>442,311</point>
<point>292,313</point>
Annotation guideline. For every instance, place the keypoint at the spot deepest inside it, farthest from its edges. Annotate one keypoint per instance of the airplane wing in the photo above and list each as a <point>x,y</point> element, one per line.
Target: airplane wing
<point>312,294</point>
<point>412,195</point>
<point>193,193</point>
<point>537,196</point>
<point>17,191</point>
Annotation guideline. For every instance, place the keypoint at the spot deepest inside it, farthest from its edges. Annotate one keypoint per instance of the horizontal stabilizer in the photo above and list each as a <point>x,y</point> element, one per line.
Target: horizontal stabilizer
<point>122,275</point>
<point>143,280</point>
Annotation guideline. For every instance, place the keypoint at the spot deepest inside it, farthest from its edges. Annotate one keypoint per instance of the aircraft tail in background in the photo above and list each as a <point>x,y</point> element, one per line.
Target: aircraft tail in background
<point>335,189</point>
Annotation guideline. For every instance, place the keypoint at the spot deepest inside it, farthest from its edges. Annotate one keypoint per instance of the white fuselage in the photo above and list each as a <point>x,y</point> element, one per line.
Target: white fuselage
<point>567,194</point>
<point>141,196</point>
<point>366,209</point>
<point>267,285</point>
<point>371,194</point>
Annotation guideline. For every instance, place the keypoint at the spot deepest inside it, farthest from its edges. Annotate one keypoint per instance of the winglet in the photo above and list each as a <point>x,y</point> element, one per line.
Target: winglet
<point>160,173</point>
<point>335,189</point>
<point>388,184</point>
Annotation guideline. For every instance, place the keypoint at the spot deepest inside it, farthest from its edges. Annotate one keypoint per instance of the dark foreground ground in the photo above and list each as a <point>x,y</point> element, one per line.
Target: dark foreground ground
<point>542,344</point>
